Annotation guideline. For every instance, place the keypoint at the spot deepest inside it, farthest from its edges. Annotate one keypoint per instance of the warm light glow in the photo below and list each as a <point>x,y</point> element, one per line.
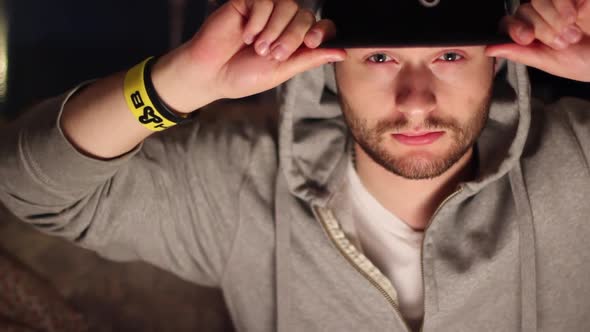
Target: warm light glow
<point>3,51</point>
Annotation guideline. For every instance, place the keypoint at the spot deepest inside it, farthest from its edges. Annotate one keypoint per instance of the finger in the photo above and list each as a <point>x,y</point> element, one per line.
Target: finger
<point>549,13</point>
<point>259,15</point>
<point>567,10</point>
<point>220,34</point>
<point>535,55</point>
<point>241,6</point>
<point>518,30</point>
<point>543,31</point>
<point>292,36</point>
<point>322,30</point>
<point>283,13</point>
<point>583,16</point>
<point>304,59</point>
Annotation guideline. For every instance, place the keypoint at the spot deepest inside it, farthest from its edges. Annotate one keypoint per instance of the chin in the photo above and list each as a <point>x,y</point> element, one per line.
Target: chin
<point>420,155</point>
<point>419,165</point>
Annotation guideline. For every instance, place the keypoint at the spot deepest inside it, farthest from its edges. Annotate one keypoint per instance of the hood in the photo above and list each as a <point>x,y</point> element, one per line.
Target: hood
<point>313,151</point>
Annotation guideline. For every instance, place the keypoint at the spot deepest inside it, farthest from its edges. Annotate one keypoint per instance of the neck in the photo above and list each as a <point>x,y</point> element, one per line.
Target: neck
<point>413,201</point>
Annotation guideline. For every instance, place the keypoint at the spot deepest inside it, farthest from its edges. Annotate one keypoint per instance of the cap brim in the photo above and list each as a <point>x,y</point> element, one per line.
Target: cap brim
<point>418,41</point>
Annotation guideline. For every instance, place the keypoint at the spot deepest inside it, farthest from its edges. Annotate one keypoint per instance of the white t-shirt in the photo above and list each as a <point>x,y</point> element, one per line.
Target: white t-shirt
<point>392,245</point>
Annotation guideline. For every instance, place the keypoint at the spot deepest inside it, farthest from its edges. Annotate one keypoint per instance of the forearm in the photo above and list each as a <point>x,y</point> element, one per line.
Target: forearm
<point>98,122</point>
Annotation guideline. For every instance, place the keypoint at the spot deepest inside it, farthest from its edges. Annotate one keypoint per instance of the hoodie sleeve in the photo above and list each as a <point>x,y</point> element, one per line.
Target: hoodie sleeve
<point>165,202</point>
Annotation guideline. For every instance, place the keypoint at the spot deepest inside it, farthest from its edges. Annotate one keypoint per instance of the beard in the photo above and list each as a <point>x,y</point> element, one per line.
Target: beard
<point>371,140</point>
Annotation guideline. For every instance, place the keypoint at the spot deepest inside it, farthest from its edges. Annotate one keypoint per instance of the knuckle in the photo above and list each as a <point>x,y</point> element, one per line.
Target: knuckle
<point>550,40</point>
<point>303,22</point>
<point>542,30</point>
<point>253,28</point>
<point>308,15</point>
<point>559,4</point>
<point>536,4</point>
<point>290,5</point>
<point>545,33</point>
<point>526,10</point>
<point>326,24</point>
<point>266,4</point>
<point>541,7</point>
<point>273,31</point>
<point>290,40</point>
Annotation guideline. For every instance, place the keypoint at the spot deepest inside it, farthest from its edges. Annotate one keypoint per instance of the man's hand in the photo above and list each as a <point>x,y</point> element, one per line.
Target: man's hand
<point>243,48</point>
<point>551,35</point>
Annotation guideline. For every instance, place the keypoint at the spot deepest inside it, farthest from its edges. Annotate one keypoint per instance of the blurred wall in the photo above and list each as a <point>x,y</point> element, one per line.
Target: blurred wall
<point>53,45</point>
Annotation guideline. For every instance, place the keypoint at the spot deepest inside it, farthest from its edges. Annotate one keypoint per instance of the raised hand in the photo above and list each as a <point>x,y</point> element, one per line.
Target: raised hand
<point>246,47</point>
<point>551,35</point>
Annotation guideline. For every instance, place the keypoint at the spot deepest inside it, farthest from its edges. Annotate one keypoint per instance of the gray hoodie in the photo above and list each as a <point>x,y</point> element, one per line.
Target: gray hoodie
<point>243,200</point>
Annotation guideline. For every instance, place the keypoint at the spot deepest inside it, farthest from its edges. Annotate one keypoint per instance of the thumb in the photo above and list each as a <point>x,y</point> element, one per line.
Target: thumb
<point>304,59</point>
<point>534,55</point>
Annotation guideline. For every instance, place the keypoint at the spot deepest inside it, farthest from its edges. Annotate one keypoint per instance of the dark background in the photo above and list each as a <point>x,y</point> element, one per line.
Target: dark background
<point>54,45</point>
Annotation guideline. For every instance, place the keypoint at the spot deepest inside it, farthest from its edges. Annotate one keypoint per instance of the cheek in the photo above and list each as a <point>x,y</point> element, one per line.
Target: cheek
<point>354,76</point>
<point>365,91</point>
<point>462,104</point>
<point>462,91</point>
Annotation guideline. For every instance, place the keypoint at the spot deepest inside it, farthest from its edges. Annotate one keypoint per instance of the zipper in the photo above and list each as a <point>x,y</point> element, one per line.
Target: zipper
<point>422,251</point>
<point>320,216</point>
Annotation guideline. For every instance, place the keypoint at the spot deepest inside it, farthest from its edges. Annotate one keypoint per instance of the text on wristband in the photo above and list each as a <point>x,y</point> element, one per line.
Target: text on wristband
<point>149,115</point>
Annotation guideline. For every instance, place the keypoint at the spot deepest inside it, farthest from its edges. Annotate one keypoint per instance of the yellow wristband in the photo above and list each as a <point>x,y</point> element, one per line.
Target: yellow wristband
<point>139,101</point>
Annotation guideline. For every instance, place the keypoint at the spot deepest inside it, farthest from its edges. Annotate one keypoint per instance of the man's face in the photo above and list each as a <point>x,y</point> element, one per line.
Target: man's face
<point>416,111</point>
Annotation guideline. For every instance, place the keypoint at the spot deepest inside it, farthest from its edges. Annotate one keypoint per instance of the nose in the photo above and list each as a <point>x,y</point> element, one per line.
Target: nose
<point>414,95</point>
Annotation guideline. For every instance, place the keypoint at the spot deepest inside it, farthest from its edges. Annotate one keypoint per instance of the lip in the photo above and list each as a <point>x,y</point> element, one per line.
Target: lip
<point>419,138</point>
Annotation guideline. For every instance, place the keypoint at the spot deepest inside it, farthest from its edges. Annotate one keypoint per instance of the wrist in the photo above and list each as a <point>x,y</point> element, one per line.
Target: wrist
<point>177,83</point>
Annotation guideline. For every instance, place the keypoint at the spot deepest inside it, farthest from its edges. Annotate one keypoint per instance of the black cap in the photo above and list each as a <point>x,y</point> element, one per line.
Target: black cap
<point>413,23</point>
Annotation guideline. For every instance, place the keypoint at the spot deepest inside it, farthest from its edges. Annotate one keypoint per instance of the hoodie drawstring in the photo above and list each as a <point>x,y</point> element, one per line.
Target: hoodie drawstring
<point>282,255</point>
<point>526,248</point>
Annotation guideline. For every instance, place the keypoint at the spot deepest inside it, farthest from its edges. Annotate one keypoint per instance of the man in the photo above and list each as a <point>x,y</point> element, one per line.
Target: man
<point>455,204</point>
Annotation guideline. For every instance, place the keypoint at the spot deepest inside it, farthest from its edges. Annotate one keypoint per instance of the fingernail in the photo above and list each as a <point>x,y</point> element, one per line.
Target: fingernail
<point>572,34</point>
<point>560,43</point>
<point>279,52</point>
<point>262,48</point>
<point>249,39</point>
<point>316,37</point>
<point>524,34</point>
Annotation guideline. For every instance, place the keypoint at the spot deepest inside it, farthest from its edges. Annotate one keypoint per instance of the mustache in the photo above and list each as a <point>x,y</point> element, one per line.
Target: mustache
<point>403,124</point>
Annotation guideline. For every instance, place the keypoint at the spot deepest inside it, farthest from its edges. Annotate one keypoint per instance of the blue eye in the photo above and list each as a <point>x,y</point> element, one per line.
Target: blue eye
<point>379,58</point>
<point>451,57</point>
